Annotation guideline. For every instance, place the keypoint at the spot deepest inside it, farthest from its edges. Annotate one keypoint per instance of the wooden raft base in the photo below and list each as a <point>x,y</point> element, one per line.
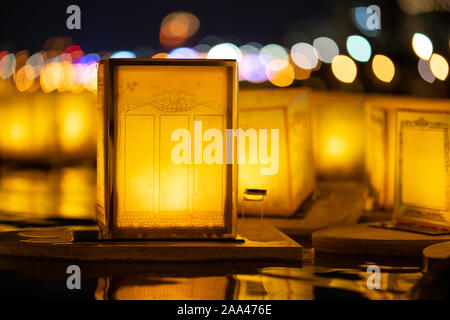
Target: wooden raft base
<point>255,242</point>
<point>336,203</point>
<point>363,240</point>
<point>436,253</point>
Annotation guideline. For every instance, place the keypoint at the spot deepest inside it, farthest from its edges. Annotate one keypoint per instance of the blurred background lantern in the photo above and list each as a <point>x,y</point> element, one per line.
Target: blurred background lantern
<point>287,111</point>
<point>168,177</point>
<point>48,128</point>
<point>338,135</point>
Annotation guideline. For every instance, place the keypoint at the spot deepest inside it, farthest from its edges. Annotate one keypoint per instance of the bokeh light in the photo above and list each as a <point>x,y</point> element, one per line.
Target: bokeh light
<point>36,64</point>
<point>439,66</point>
<point>225,51</point>
<point>359,48</point>
<point>326,48</point>
<point>304,55</point>
<point>51,76</point>
<point>7,65</point>
<point>123,54</point>
<point>344,68</point>
<point>177,27</point>
<point>383,68</point>
<point>299,73</point>
<point>249,48</point>
<point>23,79</point>
<point>280,72</point>
<point>425,71</point>
<point>160,55</point>
<point>184,53</point>
<point>422,45</point>
<point>273,52</point>
<point>251,69</point>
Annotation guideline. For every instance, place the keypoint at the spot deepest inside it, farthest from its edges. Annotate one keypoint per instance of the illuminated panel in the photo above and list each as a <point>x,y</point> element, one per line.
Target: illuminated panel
<point>381,140</point>
<point>338,135</point>
<point>154,186</point>
<point>287,111</point>
<point>173,178</point>
<point>422,183</point>
<point>376,133</point>
<point>204,190</point>
<point>139,167</point>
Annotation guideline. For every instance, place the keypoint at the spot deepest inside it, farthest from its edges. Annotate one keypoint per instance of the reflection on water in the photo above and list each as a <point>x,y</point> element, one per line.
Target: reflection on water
<point>67,196</point>
<point>65,193</point>
<point>269,283</point>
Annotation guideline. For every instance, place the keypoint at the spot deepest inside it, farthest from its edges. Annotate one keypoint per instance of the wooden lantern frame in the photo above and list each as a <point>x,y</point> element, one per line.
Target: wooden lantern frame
<point>107,193</point>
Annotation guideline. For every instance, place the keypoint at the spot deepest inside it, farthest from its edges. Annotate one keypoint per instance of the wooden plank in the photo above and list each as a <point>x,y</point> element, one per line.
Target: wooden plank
<point>255,242</point>
<point>435,253</point>
<point>364,240</point>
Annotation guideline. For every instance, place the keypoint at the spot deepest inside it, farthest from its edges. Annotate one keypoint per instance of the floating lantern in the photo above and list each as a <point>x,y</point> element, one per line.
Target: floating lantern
<point>285,172</point>
<point>382,148</point>
<point>422,177</point>
<point>152,113</point>
<point>27,127</point>
<point>338,139</point>
<point>47,128</point>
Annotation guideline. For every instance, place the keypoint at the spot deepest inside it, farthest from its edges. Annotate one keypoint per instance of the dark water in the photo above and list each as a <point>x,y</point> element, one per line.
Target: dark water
<point>31,198</point>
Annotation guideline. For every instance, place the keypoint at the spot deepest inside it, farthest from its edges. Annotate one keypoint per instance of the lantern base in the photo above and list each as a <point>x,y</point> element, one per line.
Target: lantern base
<point>435,254</point>
<point>365,240</point>
<point>255,241</point>
<point>337,203</point>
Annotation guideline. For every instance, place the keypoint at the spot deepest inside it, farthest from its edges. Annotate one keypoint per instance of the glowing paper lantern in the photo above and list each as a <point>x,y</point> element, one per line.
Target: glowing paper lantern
<point>379,155</point>
<point>152,114</point>
<point>422,179</point>
<point>381,115</point>
<point>288,172</point>
<point>338,139</point>
<point>48,128</point>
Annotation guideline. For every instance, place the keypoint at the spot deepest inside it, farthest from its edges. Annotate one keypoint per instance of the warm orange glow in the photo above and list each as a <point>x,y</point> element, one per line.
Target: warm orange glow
<point>285,110</point>
<point>383,68</point>
<point>163,188</point>
<point>338,126</point>
<point>344,68</point>
<point>381,151</point>
<point>422,180</point>
<point>24,78</point>
<point>280,72</point>
<point>335,146</point>
<point>18,132</point>
<point>160,55</point>
<point>177,27</point>
<point>76,123</point>
<point>51,77</point>
<point>439,66</point>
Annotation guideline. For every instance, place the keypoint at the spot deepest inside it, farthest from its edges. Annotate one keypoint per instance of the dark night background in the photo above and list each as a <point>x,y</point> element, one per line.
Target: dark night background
<point>130,25</point>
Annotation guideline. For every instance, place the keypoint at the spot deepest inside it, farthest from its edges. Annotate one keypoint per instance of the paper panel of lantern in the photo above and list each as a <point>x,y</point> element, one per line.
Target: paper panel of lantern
<point>422,179</point>
<point>288,175</point>
<point>379,156</point>
<point>152,113</point>
<point>47,128</point>
<point>338,135</point>
<point>380,123</point>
